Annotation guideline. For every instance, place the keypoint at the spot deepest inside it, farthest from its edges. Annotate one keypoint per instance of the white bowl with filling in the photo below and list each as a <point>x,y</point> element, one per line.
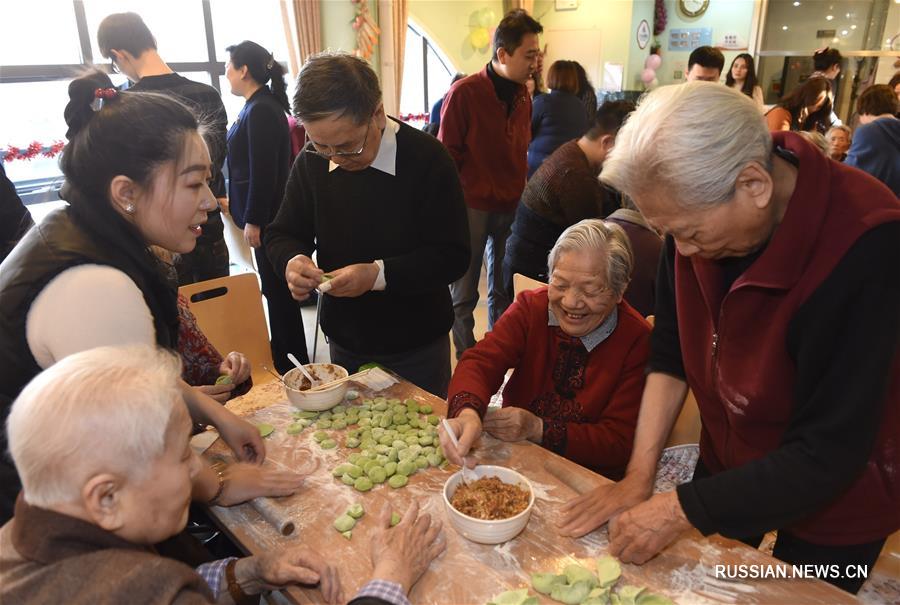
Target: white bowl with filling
<point>296,386</point>
<point>487,530</point>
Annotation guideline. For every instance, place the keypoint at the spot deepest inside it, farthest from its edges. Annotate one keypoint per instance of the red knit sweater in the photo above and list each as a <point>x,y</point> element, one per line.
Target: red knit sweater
<point>588,401</point>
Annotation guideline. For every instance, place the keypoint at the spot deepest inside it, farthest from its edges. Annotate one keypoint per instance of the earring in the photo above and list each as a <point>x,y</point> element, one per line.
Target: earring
<point>129,208</point>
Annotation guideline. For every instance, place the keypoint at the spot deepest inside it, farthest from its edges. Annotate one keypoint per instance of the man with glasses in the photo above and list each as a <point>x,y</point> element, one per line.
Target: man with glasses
<point>126,41</point>
<point>381,205</point>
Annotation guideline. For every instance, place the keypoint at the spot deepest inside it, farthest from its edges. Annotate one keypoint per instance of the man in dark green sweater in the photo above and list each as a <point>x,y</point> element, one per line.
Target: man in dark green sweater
<point>381,205</point>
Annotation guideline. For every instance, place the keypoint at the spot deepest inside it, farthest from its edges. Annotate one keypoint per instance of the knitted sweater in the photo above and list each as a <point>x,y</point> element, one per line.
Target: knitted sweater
<point>588,401</point>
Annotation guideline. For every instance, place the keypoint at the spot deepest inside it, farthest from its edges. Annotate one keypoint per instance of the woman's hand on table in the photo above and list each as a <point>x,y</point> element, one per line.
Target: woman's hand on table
<point>285,567</point>
<point>302,276</point>
<point>242,437</point>
<point>402,553</point>
<point>467,428</point>
<point>245,482</point>
<point>513,424</point>
<point>590,510</point>
<point>639,533</point>
<point>237,366</point>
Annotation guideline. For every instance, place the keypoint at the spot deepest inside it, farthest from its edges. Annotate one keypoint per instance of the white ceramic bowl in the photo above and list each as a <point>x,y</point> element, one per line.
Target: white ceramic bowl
<point>486,531</point>
<point>323,399</point>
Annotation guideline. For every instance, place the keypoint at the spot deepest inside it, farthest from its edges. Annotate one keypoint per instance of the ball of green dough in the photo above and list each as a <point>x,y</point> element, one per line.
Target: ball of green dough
<point>434,459</point>
<point>395,518</point>
<point>265,429</point>
<point>344,523</point>
<point>422,462</point>
<point>363,484</point>
<point>356,511</point>
<point>347,534</point>
<point>390,469</point>
<point>339,424</point>
<point>328,444</point>
<point>406,468</point>
<point>433,420</point>
<point>323,424</point>
<point>398,481</point>
<point>224,379</point>
<point>377,474</point>
<point>320,436</point>
<point>294,428</point>
<point>347,479</point>
<point>352,442</point>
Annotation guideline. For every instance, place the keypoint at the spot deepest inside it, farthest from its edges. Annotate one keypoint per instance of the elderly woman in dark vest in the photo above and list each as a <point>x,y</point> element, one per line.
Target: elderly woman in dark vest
<point>90,508</point>
<point>136,173</point>
<point>778,304</point>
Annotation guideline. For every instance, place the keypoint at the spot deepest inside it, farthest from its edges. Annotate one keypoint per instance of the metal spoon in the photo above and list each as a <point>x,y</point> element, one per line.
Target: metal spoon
<point>312,381</point>
<point>468,475</point>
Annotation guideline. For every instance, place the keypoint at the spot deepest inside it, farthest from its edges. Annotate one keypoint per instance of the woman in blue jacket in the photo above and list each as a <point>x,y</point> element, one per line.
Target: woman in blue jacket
<point>557,117</point>
<point>259,151</point>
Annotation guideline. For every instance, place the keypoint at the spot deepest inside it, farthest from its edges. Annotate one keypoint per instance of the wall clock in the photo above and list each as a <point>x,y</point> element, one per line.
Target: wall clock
<point>693,8</point>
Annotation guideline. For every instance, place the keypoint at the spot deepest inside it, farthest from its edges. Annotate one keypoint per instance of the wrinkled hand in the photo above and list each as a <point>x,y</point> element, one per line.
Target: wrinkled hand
<point>242,437</point>
<point>467,427</point>
<point>219,392</point>
<point>279,568</point>
<point>302,276</point>
<point>513,424</point>
<point>638,534</point>
<point>589,511</point>
<point>245,482</point>
<point>353,280</point>
<point>402,553</point>
<point>237,366</point>
<point>252,235</point>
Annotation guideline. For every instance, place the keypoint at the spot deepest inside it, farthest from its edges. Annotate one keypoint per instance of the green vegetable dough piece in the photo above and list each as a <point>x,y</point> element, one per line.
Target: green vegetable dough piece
<point>398,480</point>
<point>363,484</point>
<point>406,467</point>
<point>224,379</point>
<point>347,479</point>
<point>380,406</point>
<point>511,597</point>
<point>347,534</point>
<point>436,441</point>
<point>577,573</point>
<point>339,424</point>
<point>571,594</point>
<point>595,601</point>
<point>403,428</point>
<point>306,414</point>
<point>294,428</point>
<point>354,457</point>
<point>392,455</point>
<point>265,429</point>
<point>356,511</point>
<point>614,599</point>
<point>390,469</point>
<point>399,444</point>
<point>599,592</point>
<point>320,436</point>
<point>325,416</point>
<point>352,442</point>
<point>647,598</point>
<point>608,571</point>
<point>323,424</point>
<point>367,401</point>
<point>433,420</point>
<point>344,523</point>
<point>395,518</point>
<point>434,459</point>
<point>339,409</point>
<point>544,582</point>
<point>385,421</point>
<point>394,401</point>
<point>426,440</point>
<point>351,395</point>
<point>386,440</point>
<point>422,462</point>
<point>328,444</point>
<point>425,408</point>
<point>629,594</point>
<point>377,474</point>
<point>382,459</point>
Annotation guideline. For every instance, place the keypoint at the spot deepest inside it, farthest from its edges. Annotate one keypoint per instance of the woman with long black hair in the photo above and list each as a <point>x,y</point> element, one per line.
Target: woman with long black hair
<point>259,152</point>
<point>742,76</point>
<point>807,107</point>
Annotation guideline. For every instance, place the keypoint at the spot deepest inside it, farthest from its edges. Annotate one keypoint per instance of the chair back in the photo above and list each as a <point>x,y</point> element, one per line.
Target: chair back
<point>229,310</point>
<point>522,283</point>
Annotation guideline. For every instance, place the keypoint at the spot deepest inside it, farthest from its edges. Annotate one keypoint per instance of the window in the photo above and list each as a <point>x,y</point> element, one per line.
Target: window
<point>427,74</point>
<point>34,76</point>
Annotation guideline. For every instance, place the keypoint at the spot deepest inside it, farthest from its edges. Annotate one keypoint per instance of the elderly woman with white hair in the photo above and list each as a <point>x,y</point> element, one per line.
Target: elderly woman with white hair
<point>778,304</point>
<point>101,442</point>
<point>578,352</point>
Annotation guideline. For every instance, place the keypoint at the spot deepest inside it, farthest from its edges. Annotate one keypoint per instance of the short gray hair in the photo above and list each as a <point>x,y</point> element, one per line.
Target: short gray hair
<point>691,140</point>
<point>102,410</point>
<point>336,84</point>
<point>843,127</point>
<point>594,235</point>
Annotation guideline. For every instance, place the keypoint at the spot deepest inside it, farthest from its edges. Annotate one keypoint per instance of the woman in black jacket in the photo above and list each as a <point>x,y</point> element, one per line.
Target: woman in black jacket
<point>259,151</point>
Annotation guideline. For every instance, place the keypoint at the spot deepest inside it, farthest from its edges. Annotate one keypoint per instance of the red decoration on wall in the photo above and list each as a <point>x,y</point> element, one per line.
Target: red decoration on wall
<point>414,117</point>
<point>32,151</point>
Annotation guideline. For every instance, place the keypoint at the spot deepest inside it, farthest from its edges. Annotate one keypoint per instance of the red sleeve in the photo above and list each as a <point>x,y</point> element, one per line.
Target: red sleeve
<point>608,443</point>
<point>479,373</point>
<point>454,125</point>
<point>200,360</point>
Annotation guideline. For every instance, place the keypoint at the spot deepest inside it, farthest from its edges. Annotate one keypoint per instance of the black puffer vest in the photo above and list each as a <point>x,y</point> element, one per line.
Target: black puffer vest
<point>56,244</point>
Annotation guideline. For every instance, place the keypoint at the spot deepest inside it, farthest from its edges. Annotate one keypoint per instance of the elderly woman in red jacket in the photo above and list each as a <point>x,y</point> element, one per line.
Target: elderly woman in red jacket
<point>578,351</point>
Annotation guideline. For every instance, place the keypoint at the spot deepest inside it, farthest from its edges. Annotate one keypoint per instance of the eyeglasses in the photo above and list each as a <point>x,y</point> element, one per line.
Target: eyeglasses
<point>323,150</point>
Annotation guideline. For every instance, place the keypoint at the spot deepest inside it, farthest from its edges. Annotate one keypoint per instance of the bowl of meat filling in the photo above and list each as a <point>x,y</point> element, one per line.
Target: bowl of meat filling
<point>491,510</point>
<point>323,397</point>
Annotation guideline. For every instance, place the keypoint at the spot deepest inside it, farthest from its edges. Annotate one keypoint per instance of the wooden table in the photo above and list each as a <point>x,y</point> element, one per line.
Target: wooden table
<point>468,572</point>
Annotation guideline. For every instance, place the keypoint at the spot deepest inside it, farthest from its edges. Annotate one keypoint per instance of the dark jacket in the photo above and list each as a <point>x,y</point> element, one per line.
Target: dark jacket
<point>876,149</point>
<point>59,243</point>
<point>15,219</point>
<point>259,156</point>
<point>646,245</point>
<point>556,117</point>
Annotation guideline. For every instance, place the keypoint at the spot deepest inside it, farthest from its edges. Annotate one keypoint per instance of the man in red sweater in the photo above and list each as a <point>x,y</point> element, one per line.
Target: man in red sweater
<point>486,126</point>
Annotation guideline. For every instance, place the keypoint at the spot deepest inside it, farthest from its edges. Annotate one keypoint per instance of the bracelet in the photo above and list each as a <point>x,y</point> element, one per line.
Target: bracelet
<point>220,473</point>
<point>234,588</point>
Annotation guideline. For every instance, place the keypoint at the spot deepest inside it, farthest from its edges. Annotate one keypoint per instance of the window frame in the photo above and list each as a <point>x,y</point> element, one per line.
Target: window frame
<point>444,60</point>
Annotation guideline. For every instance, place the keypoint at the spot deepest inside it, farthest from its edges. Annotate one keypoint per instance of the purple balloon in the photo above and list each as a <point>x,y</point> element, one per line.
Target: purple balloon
<point>653,62</point>
<point>648,75</point>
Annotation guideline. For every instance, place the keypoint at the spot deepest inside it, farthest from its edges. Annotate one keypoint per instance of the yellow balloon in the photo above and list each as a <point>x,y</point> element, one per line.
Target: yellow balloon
<point>479,38</point>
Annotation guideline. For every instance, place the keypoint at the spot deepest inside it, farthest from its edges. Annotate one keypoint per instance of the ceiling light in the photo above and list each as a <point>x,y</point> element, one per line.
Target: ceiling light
<point>784,27</point>
<point>835,40</point>
<point>829,17</point>
<point>852,27</point>
<point>796,3</point>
